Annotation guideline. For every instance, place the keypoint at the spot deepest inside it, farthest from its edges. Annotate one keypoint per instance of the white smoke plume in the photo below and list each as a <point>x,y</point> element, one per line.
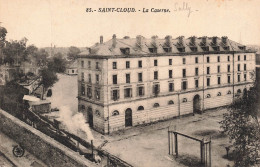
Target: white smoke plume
<point>75,122</point>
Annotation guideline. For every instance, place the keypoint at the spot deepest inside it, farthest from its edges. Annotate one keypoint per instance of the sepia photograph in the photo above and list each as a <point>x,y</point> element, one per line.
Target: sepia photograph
<point>124,83</point>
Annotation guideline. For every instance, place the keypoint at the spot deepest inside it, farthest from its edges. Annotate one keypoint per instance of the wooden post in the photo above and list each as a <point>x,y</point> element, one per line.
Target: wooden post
<point>176,144</point>
<point>169,141</point>
<point>210,152</point>
<point>92,151</point>
<point>202,151</point>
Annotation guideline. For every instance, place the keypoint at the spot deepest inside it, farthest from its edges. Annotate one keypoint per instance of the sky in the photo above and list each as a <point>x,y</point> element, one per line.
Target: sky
<point>66,23</point>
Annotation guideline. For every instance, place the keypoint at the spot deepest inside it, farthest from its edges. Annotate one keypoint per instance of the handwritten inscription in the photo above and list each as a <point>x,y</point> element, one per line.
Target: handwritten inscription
<point>178,7</point>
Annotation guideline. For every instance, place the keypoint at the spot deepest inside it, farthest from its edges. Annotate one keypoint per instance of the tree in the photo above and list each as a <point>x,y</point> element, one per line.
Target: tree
<point>57,63</point>
<point>3,33</point>
<point>242,127</point>
<point>48,79</point>
<point>73,52</point>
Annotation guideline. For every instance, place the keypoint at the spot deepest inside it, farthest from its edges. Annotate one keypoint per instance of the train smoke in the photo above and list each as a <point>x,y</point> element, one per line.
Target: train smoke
<point>75,122</point>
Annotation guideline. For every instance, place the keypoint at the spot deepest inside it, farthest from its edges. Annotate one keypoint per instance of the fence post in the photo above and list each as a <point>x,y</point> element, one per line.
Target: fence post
<point>169,144</point>
<point>202,151</point>
<point>176,144</point>
<point>210,151</point>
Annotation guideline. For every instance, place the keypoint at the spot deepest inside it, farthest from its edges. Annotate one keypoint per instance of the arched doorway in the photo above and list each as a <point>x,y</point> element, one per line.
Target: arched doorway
<point>128,117</point>
<point>90,117</point>
<point>196,104</point>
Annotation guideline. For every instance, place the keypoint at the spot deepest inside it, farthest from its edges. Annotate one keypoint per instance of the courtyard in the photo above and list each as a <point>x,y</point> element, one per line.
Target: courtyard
<point>147,146</point>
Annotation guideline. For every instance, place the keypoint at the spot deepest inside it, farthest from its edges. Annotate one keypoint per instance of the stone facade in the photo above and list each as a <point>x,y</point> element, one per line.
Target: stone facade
<point>128,82</point>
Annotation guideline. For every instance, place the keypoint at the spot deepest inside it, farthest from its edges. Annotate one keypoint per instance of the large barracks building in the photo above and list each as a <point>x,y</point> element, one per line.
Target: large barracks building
<point>132,81</point>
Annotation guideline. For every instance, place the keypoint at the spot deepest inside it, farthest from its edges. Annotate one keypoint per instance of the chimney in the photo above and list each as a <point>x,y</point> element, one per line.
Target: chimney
<point>193,40</point>
<point>180,40</point>
<point>168,39</point>
<point>214,40</point>
<point>204,40</point>
<point>114,41</point>
<point>224,39</point>
<point>139,40</point>
<point>101,39</point>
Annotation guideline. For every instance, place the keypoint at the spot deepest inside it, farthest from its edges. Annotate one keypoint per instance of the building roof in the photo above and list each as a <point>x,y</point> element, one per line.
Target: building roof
<point>145,46</point>
<point>73,64</point>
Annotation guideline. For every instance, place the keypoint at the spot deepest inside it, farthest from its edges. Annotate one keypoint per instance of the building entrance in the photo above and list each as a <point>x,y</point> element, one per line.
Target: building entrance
<point>128,117</point>
<point>196,104</point>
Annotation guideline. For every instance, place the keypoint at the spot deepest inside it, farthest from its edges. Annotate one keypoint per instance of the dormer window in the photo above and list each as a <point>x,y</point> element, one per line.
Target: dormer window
<point>226,48</point>
<point>194,49</point>
<point>168,49</point>
<point>153,50</point>
<point>242,47</point>
<point>216,48</point>
<point>181,49</point>
<point>205,48</point>
<point>125,51</point>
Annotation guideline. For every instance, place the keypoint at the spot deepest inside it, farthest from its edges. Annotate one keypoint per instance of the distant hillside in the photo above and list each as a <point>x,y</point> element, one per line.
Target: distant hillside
<point>62,50</point>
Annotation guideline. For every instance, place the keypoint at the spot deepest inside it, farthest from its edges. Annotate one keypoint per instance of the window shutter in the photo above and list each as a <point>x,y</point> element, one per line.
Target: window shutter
<point>153,89</point>
<point>143,91</point>
<point>158,88</point>
<point>131,92</point>
<point>111,95</point>
<point>118,95</point>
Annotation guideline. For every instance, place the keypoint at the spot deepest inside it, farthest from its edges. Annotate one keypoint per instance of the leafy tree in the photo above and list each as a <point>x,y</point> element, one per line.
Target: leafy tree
<point>73,52</point>
<point>242,127</point>
<point>57,63</point>
<point>49,78</point>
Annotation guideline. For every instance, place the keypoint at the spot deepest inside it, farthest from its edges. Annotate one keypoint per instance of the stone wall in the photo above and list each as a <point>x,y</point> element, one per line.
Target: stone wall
<point>51,152</point>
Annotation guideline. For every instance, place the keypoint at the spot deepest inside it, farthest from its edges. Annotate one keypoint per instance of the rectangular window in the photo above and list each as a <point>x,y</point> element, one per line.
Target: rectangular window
<point>82,76</point>
<point>228,68</point>
<point>218,69</point>
<point>114,79</point>
<point>115,95</point>
<point>196,60</point>
<point>219,80</point>
<point>97,94</point>
<point>140,91</point>
<point>140,64</point>
<point>114,65</point>
<point>127,64</point>
<point>97,65</point>
<point>238,78</point>
<point>228,79</point>
<point>156,89</point>
<point>97,79</point>
<point>208,81</point>
<point>238,58</point>
<point>171,87</point>
<point>140,77</point>
<point>196,71</point>
<point>155,62</point>
<point>128,92</point>
<point>184,85</point>
<point>82,64</point>
<point>82,90</point>
<point>244,57</point>
<point>89,78</point>
<point>228,58</point>
<point>127,78</point>
<point>183,61</point>
<point>196,83</point>
<point>155,75</point>
<point>238,67</point>
<point>183,73</point>
<point>208,70</point>
<point>89,92</point>
<point>244,67</point>
<point>245,77</point>
<point>218,58</point>
<point>170,73</point>
<point>207,59</point>
<point>170,61</point>
<point>89,64</point>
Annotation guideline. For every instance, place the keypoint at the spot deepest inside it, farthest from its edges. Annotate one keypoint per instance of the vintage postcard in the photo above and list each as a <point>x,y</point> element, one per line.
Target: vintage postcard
<point>123,83</point>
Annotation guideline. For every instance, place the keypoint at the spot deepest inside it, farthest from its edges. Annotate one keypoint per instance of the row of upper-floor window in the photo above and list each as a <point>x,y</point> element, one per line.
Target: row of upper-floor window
<point>115,95</point>
<point>156,75</point>
<point>140,64</point>
<point>170,73</point>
